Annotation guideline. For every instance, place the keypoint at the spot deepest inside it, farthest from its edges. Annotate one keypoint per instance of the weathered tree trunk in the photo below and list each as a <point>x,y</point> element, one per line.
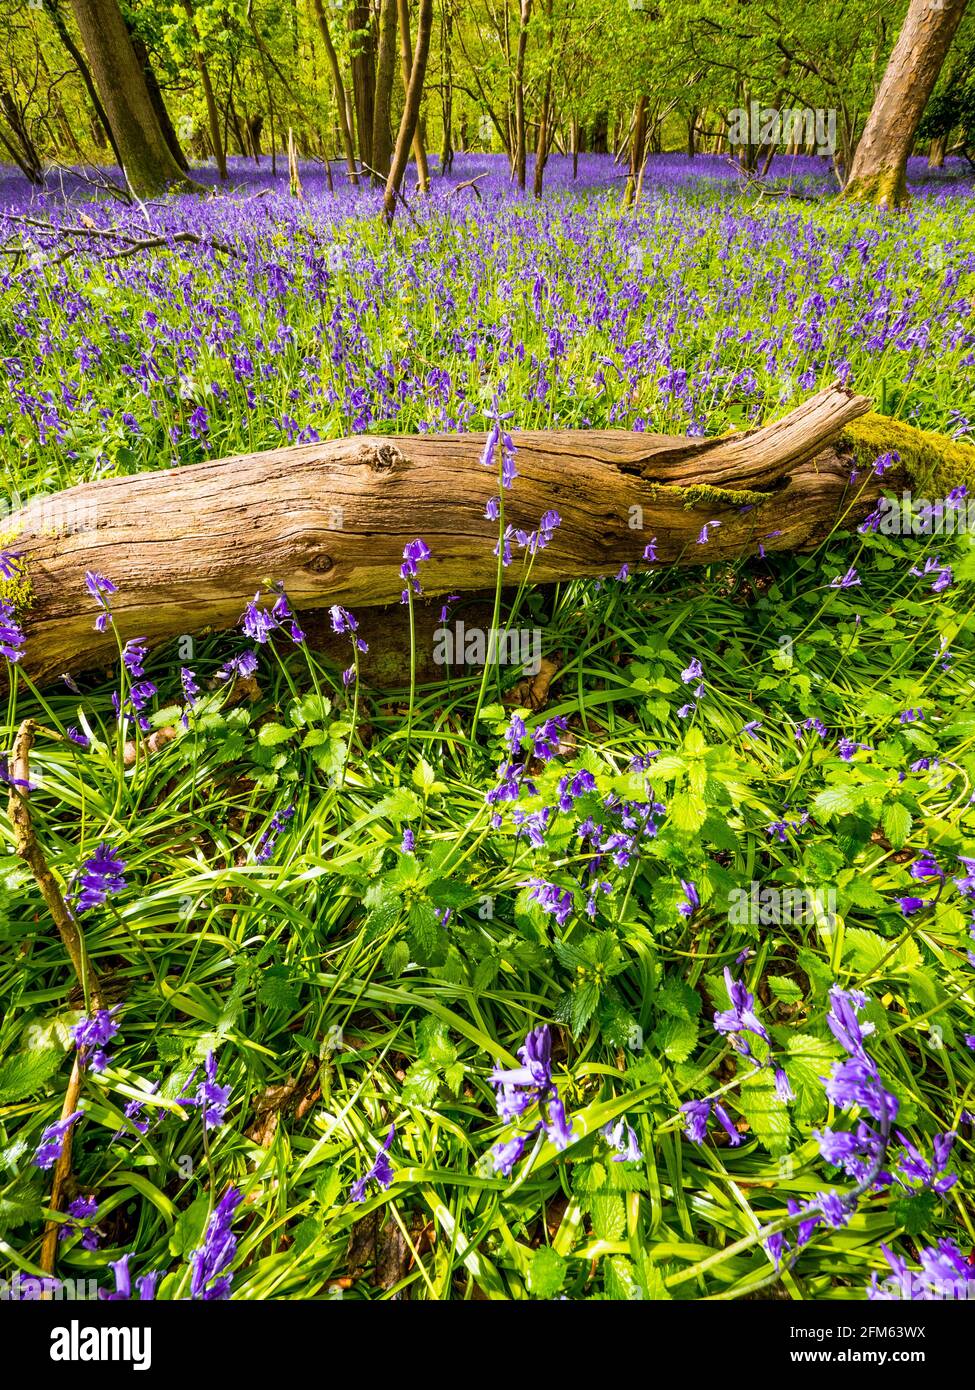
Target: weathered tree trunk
<point>382,138</point>
<point>340,97</point>
<point>213,115</point>
<point>148,162</point>
<point>411,108</point>
<point>84,72</point>
<point>521,161</point>
<point>406,59</point>
<point>879,167</point>
<point>363,65</point>
<point>157,99</point>
<point>544,115</point>
<point>188,547</point>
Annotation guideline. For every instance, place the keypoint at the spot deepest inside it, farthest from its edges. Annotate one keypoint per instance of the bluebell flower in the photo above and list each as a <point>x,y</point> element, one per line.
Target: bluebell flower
<point>100,876</point>
<point>146,1286</point>
<point>212,1099</point>
<point>90,1036</point>
<point>622,1137</point>
<point>381,1172</point>
<point>52,1140</point>
<point>210,1261</point>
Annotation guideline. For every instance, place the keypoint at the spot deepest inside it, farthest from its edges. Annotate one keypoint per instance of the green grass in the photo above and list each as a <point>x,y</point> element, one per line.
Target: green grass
<point>328,988</point>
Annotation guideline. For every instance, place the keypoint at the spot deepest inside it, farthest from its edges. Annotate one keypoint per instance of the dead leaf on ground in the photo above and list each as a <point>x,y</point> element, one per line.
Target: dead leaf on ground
<point>531,692</point>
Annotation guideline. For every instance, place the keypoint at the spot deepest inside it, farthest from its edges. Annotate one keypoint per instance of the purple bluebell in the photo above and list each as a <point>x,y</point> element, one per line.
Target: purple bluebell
<point>100,876</point>
<point>381,1172</point>
<point>210,1261</point>
<point>52,1140</point>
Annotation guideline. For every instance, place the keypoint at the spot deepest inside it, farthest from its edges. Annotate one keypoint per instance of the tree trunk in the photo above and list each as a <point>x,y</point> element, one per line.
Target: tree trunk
<point>147,160</point>
<point>411,109</point>
<point>406,59</point>
<point>544,115</point>
<point>937,151</point>
<point>363,65</point>
<point>213,116</point>
<point>19,144</point>
<point>78,58</point>
<point>340,98</point>
<point>447,91</point>
<point>158,103</point>
<point>520,141</point>
<point>382,138</point>
<point>189,546</point>
<point>879,167</point>
<point>638,141</point>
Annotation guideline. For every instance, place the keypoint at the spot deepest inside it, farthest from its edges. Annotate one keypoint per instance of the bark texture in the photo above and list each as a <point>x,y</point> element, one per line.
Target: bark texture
<point>411,110</point>
<point>149,164</point>
<point>879,167</point>
<point>188,547</point>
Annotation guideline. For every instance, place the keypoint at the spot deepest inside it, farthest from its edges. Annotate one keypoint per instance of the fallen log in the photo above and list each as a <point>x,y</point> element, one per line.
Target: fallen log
<point>188,547</point>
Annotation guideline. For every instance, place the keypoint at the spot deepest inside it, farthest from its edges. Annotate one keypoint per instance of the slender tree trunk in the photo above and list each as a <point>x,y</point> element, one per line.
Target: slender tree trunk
<point>213,115</point>
<point>19,143</point>
<point>638,141</point>
<point>149,164</point>
<point>520,142</point>
<point>363,64</point>
<point>84,71</point>
<point>382,139</point>
<point>937,151</point>
<point>341,103</point>
<point>406,59</point>
<point>544,116</point>
<point>879,172</point>
<point>411,110</point>
<point>447,91</point>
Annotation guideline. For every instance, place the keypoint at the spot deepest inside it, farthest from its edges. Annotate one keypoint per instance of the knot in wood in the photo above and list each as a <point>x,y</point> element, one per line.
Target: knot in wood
<point>382,457</point>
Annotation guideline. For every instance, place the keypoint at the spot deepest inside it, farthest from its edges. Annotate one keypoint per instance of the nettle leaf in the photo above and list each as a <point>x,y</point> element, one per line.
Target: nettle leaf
<point>433,1041</point>
<point>26,1072</point>
<point>383,917</point>
<point>20,1206</point>
<point>834,801</point>
<point>426,937</point>
<point>269,735</point>
<point>188,1231</point>
<point>396,958</point>
<point>897,824</point>
<point>767,1116</point>
<point>688,811</point>
<point>577,1006</point>
<point>915,1213</point>
<point>608,1216</point>
<point>867,950</point>
<point>784,989</point>
<point>278,990</point>
<point>677,997</point>
<point>676,1037</point>
<point>807,1060</point>
<point>421,1084</point>
<point>448,892</point>
<point>546,1273</point>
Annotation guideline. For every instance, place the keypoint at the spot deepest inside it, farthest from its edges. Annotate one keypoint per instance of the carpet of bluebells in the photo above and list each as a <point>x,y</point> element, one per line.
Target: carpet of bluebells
<point>662,990</point>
